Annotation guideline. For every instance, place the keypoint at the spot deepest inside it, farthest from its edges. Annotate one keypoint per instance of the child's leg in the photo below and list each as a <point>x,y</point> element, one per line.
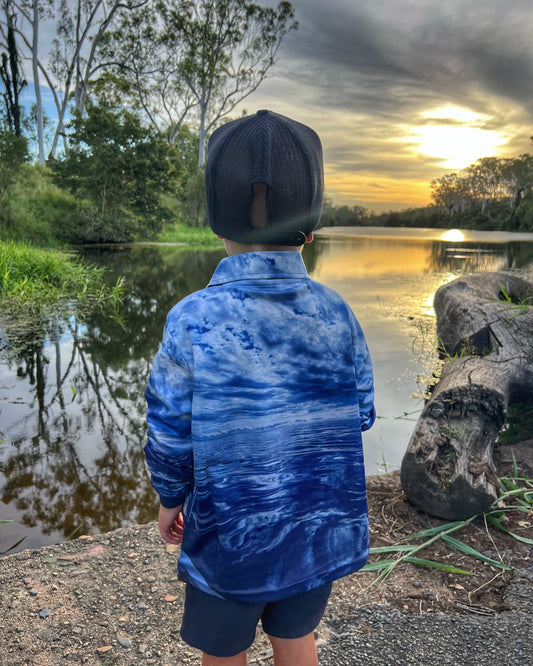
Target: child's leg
<point>236,660</point>
<point>294,651</point>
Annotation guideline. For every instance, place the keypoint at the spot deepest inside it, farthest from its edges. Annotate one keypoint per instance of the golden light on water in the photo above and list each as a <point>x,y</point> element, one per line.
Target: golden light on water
<point>453,235</point>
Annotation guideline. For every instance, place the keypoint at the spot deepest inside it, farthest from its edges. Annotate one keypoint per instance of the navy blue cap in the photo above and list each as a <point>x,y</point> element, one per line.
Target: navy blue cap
<point>281,153</point>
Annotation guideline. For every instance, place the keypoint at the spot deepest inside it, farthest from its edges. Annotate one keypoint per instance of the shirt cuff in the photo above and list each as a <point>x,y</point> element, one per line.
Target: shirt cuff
<point>170,502</point>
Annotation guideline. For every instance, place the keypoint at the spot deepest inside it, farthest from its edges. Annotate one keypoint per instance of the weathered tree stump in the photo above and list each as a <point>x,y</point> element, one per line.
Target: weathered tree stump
<point>485,329</point>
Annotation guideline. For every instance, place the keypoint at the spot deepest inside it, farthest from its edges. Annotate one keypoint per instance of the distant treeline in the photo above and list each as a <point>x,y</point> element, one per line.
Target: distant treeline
<point>492,194</point>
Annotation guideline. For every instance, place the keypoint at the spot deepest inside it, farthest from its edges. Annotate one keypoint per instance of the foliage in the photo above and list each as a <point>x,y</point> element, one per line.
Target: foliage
<point>193,205</point>
<point>13,154</point>
<point>195,60</point>
<point>40,289</point>
<point>11,73</point>
<point>492,193</point>
<point>341,216</point>
<point>119,173</point>
<point>72,60</point>
<point>181,233</point>
<point>34,208</point>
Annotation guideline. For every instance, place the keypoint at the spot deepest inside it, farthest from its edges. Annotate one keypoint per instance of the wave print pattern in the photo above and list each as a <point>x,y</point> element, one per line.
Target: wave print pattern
<point>256,402</point>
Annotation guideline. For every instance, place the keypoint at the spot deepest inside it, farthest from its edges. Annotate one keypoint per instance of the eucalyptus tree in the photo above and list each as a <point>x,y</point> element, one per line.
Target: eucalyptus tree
<point>24,17</point>
<point>143,73</point>
<point>193,61</point>
<point>67,70</point>
<point>228,47</point>
<point>517,176</point>
<point>486,178</point>
<point>450,191</point>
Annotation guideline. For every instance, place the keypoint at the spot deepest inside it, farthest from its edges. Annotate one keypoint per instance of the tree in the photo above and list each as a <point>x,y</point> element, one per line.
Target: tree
<point>80,25</point>
<point>144,73</point>
<point>195,60</point>
<point>11,71</point>
<point>450,191</point>
<point>229,46</point>
<point>119,173</point>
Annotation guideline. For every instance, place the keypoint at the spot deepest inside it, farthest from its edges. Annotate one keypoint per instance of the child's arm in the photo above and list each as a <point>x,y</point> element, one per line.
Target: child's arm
<point>364,376</point>
<point>169,447</point>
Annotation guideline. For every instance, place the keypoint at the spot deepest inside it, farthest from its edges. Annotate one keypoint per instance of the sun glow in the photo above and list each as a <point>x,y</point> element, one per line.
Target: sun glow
<point>453,235</point>
<point>455,136</point>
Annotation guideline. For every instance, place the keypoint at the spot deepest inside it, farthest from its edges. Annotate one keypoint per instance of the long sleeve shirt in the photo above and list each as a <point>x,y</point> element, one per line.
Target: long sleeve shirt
<point>256,402</point>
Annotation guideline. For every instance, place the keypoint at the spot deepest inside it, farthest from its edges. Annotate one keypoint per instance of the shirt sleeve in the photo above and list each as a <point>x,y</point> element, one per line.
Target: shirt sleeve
<point>169,447</point>
<point>364,375</point>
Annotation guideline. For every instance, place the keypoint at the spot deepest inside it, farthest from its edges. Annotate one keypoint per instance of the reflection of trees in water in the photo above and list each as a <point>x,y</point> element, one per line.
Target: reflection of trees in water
<point>76,459</point>
<point>50,476</point>
<point>475,257</point>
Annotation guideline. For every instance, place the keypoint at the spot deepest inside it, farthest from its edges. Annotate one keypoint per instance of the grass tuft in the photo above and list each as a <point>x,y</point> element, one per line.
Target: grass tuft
<point>516,494</point>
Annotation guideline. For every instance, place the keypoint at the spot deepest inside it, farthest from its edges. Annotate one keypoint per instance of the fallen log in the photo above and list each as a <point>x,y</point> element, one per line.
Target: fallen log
<point>485,332</point>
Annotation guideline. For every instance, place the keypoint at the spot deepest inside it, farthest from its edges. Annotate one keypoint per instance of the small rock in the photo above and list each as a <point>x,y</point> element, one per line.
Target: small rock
<point>170,598</point>
<point>142,606</point>
<point>32,593</point>
<point>104,648</point>
<point>44,613</point>
<point>45,635</point>
<point>124,642</point>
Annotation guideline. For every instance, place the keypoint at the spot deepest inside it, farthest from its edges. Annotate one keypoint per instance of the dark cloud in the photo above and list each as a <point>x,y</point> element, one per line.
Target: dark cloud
<point>381,55</point>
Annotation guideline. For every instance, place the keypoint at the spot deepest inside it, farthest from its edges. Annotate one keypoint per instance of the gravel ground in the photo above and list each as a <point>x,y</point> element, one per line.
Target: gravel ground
<point>114,599</point>
<point>383,636</point>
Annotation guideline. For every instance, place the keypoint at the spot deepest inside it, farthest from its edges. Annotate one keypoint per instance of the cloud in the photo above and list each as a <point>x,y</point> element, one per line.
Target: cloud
<point>366,75</point>
<point>393,56</point>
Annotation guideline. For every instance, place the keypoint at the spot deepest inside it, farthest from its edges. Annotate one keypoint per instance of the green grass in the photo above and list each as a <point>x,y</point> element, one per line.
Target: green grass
<point>33,279</point>
<point>40,289</point>
<point>181,233</point>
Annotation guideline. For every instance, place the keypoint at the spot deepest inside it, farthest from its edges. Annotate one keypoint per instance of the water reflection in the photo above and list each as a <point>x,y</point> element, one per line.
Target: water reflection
<point>72,405</point>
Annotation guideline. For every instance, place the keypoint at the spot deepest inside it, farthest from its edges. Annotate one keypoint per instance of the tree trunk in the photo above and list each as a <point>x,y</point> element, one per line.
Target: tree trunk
<point>202,135</point>
<point>485,328</point>
<point>36,84</point>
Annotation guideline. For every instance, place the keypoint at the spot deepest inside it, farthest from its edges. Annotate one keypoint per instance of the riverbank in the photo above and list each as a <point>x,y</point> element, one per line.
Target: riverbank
<point>114,599</point>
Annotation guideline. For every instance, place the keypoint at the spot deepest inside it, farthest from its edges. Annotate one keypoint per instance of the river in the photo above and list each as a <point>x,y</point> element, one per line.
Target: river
<point>72,409</point>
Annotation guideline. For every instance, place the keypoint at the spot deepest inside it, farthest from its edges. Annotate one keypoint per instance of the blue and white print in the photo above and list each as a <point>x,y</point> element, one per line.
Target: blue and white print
<point>256,402</point>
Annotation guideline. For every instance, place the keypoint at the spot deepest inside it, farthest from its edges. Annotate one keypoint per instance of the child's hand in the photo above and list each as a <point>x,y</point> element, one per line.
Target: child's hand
<point>171,524</point>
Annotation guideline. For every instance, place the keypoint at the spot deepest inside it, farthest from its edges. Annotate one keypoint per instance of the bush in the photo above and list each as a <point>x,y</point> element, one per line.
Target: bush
<point>35,209</point>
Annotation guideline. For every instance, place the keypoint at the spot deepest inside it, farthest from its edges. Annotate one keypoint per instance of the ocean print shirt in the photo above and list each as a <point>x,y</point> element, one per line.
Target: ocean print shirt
<point>256,402</point>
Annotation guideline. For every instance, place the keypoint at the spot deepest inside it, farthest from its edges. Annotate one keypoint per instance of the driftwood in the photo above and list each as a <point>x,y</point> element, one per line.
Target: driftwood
<point>485,329</point>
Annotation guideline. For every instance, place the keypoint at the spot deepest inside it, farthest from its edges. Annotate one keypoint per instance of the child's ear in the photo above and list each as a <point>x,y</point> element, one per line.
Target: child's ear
<point>309,238</point>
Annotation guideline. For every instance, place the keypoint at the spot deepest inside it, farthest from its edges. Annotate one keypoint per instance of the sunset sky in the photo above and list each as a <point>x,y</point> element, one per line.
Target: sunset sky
<point>403,91</point>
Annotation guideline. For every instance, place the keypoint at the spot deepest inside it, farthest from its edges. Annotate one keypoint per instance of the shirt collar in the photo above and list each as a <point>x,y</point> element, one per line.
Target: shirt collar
<point>259,266</point>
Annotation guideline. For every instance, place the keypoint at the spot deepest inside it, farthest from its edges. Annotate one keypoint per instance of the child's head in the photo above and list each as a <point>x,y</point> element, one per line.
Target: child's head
<point>264,180</point>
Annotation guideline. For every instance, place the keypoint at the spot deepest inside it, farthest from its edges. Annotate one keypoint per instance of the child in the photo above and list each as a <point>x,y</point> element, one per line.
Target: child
<point>256,402</point>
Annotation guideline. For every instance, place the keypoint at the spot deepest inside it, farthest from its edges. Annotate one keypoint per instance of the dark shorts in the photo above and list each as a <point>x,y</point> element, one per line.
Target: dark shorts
<point>224,628</point>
